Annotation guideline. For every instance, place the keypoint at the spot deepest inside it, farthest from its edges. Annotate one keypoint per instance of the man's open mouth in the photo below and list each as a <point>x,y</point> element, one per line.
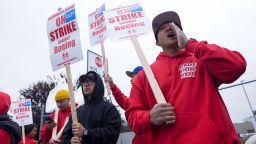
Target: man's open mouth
<point>171,35</point>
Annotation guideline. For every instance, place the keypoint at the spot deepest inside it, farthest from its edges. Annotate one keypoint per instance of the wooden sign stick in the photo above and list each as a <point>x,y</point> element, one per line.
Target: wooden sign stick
<point>71,95</point>
<point>54,130</point>
<point>152,81</point>
<point>105,67</point>
<point>61,130</point>
<point>23,134</point>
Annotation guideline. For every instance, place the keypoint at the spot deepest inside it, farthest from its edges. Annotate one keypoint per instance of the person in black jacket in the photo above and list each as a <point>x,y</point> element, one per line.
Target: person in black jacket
<point>98,120</point>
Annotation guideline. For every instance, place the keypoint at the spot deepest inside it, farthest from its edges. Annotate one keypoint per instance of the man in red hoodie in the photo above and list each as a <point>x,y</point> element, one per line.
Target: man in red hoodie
<point>189,74</point>
<point>10,132</point>
<point>62,100</point>
<point>124,103</point>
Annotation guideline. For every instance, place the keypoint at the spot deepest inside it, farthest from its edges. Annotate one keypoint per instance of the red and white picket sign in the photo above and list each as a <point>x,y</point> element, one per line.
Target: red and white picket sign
<point>130,22</point>
<point>64,38</point>
<point>22,112</point>
<point>65,47</point>
<point>127,21</point>
<point>98,33</point>
<point>97,26</point>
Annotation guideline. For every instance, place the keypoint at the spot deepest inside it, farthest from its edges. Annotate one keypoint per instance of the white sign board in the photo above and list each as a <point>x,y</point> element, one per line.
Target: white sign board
<point>97,26</point>
<point>22,112</point>
<point>64,38</point>
<point>95,62</point>
<point>124,22</point>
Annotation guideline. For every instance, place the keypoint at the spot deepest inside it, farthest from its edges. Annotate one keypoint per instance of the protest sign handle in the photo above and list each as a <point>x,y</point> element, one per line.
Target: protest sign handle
<point>105,67</point>
<point>71,94</point>
<point>61,130</point>
<point>152,81</point>
<point>54,130</point>
<point>23,134</point>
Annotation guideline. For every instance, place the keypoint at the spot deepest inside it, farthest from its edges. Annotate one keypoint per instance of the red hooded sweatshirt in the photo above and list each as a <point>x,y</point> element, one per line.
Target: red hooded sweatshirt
<point>28,140</point>
<point>46,134</point>
<point>189,81</point>
<point>5,102</point>
<point>123,101</point>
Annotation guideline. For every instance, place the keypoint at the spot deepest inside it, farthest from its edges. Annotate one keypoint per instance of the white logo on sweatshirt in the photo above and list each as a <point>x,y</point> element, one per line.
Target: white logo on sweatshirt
<point>187,70</point>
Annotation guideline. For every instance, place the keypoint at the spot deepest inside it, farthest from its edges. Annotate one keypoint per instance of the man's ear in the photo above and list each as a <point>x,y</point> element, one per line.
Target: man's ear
<point>157,43</point>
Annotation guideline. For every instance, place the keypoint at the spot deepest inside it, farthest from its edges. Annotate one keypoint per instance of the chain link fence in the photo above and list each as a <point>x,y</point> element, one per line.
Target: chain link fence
<point>240,100</point>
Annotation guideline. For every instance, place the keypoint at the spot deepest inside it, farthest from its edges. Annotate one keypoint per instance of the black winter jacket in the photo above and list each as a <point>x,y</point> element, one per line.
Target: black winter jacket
<point>11,127</point>
<point>98,116</point>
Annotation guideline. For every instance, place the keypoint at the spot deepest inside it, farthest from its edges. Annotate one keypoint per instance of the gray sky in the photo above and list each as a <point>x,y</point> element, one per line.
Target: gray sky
<point>25,57</point>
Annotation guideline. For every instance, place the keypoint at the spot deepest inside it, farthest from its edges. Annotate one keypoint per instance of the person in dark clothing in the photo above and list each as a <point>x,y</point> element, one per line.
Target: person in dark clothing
<point>10,131</point>
<point>98,120</point>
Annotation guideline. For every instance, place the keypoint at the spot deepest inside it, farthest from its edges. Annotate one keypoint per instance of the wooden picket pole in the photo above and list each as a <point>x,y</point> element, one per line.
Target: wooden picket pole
<point>71,94</point>
<point>54,130</point>
<point>152,81</point>
<point>23,134</point>
<point>61,130</point>
<point>105,67</point>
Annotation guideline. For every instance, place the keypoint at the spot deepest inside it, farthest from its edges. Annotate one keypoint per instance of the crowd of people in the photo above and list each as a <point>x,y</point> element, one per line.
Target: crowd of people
<point>188,73</point>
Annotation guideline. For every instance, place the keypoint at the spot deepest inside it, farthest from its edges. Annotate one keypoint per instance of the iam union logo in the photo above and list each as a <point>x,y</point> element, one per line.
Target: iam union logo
<point>98,62</point>
<point>187,70</point>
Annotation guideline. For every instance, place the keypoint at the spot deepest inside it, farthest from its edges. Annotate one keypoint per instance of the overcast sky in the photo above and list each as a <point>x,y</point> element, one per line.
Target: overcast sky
<point>25,57</point>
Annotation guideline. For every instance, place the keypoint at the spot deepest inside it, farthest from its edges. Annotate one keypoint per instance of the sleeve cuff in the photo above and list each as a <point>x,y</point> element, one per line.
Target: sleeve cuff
<point>114,87</point>
<point>188,45</point>
<point>87,133</point>
<point>146,120</point>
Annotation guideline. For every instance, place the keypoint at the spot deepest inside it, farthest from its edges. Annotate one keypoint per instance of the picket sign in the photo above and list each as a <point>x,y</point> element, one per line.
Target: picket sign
<point>152,81</point>
<point>64,38</point>
<point>65,47</point>
<point>97,35</point>
<point>129,22</point>
<point>22,114</point>
<point>105,67</point>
